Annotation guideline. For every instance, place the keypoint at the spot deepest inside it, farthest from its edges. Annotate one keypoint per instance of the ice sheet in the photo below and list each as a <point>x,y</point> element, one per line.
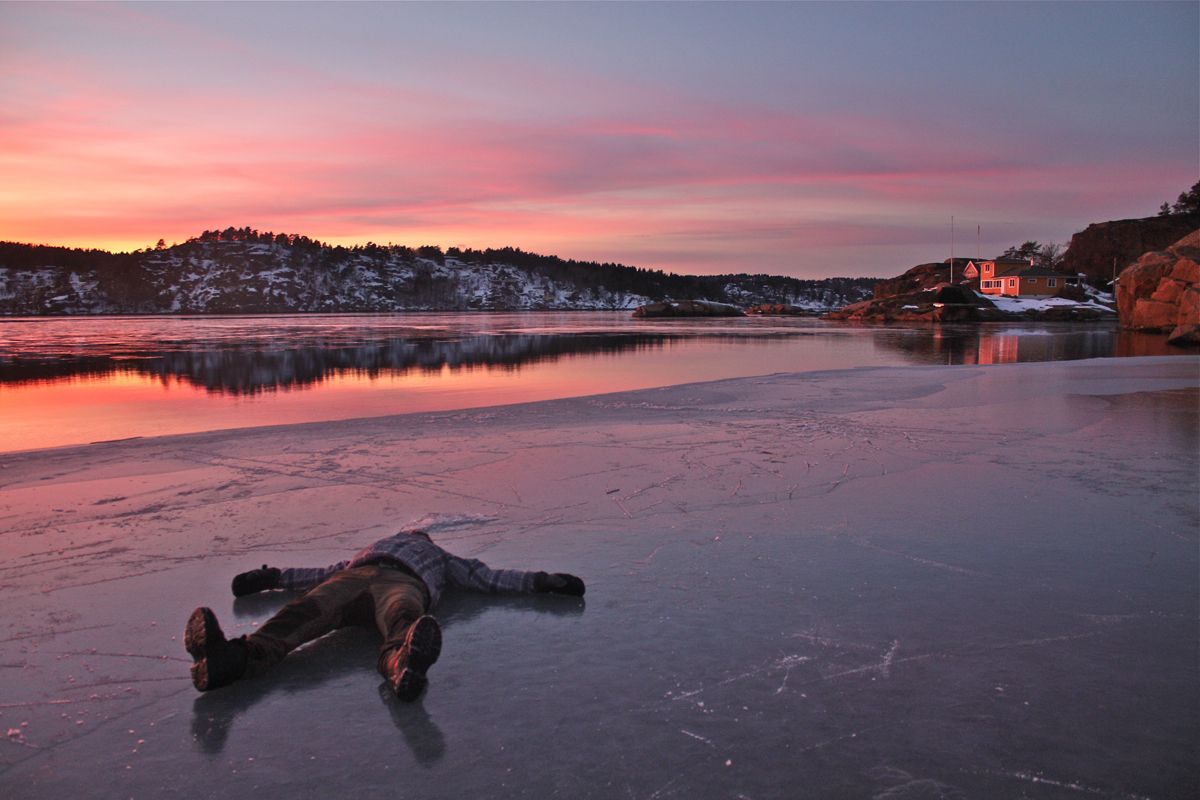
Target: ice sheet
<point>896,582</point>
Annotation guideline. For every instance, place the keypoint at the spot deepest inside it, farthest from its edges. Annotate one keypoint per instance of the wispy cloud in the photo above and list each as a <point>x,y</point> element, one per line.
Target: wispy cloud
<point>126,137</point>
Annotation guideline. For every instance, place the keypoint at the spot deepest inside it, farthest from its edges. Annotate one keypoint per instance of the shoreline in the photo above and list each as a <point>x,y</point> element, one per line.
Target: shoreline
<point>280,427</point>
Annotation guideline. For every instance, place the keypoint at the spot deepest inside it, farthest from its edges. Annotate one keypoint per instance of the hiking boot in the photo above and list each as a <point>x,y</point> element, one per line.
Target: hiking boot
<point>219,662</point>
<point>407,664</point>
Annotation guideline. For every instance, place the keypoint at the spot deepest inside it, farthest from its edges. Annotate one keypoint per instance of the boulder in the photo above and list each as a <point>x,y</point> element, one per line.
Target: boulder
<point>949,294</point>
<point>779,309</point>
<point>1159,293</point>
<point>1168,291</point>
<point>1187,333</point>
<point>1153,316</point>
<point>1187,271</point>
<point>687,308</point>
<point>1141,280</point>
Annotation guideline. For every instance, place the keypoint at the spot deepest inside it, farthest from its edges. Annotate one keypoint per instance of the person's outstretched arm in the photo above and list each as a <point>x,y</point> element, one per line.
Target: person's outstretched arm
<point>473,574</point>
<point>266,578</point>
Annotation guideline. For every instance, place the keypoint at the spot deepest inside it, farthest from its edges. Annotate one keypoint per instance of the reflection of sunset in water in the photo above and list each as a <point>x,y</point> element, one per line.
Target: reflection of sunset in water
<point>115,379</point>
<point>75,410</point>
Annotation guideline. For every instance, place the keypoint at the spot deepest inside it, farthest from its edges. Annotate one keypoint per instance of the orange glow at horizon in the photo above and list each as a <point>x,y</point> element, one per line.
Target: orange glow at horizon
<point>124,124</point>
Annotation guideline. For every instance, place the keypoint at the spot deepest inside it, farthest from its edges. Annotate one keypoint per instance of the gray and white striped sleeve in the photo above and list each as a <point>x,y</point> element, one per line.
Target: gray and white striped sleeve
<point>473,574</point>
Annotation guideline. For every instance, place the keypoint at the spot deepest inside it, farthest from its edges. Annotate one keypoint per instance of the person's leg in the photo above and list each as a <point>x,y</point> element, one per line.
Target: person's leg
<point>321,610</point>
<point>218,661</point>
<point>412,640</point>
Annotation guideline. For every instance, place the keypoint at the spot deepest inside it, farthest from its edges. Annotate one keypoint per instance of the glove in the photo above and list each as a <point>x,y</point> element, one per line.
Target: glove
<point>558,583</point>
<point>256,580</point>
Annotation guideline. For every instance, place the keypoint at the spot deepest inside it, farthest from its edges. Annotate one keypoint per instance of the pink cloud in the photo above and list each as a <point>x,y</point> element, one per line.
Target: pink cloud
<point>710,181</point>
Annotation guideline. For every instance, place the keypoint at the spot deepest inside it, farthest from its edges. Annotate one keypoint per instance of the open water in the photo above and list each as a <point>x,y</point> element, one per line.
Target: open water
<point>66,381</point>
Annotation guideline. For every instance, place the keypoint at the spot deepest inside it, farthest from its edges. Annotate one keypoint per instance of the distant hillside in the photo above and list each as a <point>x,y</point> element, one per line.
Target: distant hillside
<point>240,270</point>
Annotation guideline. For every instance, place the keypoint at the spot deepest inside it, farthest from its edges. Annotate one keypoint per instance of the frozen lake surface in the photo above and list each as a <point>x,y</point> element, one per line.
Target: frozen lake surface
<point>896,582</point>
<point>80,380</point>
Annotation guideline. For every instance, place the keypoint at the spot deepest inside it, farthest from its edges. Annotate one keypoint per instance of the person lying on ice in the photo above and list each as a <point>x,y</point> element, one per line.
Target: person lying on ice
<point>396,581</point>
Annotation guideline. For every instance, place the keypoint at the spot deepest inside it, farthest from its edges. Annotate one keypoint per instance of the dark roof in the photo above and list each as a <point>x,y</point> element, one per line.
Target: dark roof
<point>1040,272</point>
<point>1024,261</point>
<point>1008,266</point>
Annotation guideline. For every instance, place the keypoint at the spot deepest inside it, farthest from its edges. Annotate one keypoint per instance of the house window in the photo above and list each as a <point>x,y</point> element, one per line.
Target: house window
<point>987,268</point>
<point>1031,280</point>
<point>1051,282</point>
<point>1012,283</point>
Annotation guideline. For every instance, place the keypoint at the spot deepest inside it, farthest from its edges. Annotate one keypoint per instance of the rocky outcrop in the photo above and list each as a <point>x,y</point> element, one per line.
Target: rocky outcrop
<point>1104,246</point>
<point>1161,292</point>
<point>780,309</point>
<point>943,303</point>
<point>687,308</point>
<point>919,278</point>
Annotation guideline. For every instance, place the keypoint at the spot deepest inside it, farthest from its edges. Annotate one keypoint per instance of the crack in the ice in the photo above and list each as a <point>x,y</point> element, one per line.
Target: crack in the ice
<point>118,655</point>
<point>1074,786</point>
<point>697,737</point>
<point>917,559</point>
<point>51,633</point>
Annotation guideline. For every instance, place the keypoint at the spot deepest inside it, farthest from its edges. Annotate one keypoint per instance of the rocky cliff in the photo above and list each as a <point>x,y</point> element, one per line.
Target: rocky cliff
<point>1103,249</point>
<point>1161,292</point>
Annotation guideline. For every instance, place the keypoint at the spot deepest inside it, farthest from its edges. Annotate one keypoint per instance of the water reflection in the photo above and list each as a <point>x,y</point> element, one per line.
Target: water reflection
<point>251,368</point>
<point>242,361</point>
<point>1011,344</point>
<point>68,381</point>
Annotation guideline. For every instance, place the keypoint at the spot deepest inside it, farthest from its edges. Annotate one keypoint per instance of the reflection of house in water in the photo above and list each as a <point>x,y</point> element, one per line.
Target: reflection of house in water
<point>1003,343</point>
<point>997,347</point>
<point>1052,343</point>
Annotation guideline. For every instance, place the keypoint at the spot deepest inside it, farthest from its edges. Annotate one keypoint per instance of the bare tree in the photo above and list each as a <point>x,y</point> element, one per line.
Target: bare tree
<point>1050,255</point>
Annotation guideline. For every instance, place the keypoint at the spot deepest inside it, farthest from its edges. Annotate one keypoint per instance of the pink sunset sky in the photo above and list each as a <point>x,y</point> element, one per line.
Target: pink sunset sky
<point>803,139</point>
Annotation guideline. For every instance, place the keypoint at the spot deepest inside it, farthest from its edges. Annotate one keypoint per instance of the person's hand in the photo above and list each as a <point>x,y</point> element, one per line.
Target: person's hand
<point>256,580</point>
<point>558,583</point>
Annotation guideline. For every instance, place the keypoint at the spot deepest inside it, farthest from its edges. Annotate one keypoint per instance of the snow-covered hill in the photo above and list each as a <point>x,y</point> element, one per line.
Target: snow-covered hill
<point>253,276</point>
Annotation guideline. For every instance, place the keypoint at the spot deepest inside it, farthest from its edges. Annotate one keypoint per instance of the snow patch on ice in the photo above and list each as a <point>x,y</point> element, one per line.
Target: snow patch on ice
<point>434,523</point>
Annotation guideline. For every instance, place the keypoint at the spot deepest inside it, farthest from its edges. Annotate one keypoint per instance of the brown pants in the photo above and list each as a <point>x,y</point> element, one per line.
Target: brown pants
<point>394,597</point>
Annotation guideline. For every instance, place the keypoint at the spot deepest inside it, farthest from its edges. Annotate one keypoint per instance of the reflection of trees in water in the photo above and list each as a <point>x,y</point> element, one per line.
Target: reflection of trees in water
<point>256,367</point>
<point>1001,344</point>
<point>261,365</point>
